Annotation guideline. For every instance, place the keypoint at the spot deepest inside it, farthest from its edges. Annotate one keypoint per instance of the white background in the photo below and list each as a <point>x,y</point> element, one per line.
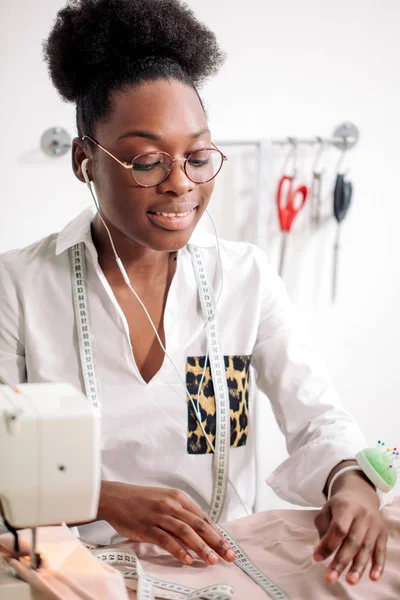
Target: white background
<point>297,68</point>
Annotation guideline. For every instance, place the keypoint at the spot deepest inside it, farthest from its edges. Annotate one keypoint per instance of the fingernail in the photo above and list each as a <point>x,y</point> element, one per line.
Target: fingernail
<point>376,573</point>
<point>318,557</point>
<point>212,558</point>
<point>332,576</point>
<point>188,559</point>
<point>353,577</point>
<point>230,555</point>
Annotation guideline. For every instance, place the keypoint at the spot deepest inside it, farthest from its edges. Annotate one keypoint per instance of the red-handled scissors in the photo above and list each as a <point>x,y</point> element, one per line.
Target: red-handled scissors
<point>290,201</point>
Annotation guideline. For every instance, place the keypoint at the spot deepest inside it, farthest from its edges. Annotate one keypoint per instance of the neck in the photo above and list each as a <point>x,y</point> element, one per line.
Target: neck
<point>137,259</point>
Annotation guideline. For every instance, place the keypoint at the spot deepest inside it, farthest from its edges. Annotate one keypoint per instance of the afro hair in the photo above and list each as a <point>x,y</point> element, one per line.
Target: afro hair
<point>97,47</point>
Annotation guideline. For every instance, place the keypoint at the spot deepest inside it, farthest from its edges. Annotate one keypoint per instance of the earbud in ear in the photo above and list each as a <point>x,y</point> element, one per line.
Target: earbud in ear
<point>85,172</point>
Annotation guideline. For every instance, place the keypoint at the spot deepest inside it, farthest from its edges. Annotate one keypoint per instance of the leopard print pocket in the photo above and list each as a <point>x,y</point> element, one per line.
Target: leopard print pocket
<point>237,369</point>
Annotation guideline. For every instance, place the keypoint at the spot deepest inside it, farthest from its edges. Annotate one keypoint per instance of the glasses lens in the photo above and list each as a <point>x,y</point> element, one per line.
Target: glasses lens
<point>151,169</point>
<point>203,165</point>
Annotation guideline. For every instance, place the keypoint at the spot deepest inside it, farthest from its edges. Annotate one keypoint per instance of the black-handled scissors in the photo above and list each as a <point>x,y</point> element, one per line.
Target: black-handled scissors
<point>341,203</point>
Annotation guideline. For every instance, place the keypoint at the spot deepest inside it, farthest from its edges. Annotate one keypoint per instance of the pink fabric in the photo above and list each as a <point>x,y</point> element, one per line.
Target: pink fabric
<point>281,543</point>
<point>70,571</point>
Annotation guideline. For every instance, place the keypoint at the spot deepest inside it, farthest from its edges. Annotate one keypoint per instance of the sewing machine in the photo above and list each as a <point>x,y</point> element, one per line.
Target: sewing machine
<point>49,474</point>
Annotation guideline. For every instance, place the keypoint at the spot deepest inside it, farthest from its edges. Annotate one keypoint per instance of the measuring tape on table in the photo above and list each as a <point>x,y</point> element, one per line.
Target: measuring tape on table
<point>127,562</point>
<point>129,565</point>
<point>222,438</point>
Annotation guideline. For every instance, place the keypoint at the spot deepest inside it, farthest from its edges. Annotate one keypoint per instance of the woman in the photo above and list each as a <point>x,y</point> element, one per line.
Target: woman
<point>79,306</point>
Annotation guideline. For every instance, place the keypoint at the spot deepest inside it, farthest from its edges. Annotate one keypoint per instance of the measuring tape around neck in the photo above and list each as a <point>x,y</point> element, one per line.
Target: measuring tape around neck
<point>221,394</point>
<point>78,277</point>
<point>222,406</point>
<point>222,439</point>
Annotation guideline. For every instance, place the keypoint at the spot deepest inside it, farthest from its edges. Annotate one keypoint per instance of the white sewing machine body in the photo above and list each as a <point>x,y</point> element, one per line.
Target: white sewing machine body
<point>49,474</point>
<point>49,455</point>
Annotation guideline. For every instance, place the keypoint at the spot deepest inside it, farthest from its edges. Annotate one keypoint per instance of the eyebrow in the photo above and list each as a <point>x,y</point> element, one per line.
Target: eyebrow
<point>152,136</point>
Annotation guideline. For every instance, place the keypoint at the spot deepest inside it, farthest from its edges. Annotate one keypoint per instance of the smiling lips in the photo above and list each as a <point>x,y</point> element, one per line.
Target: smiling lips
<point>173,221</point>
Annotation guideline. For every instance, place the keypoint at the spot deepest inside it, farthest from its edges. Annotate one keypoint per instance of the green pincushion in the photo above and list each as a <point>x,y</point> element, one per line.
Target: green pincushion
<point>379,467</point>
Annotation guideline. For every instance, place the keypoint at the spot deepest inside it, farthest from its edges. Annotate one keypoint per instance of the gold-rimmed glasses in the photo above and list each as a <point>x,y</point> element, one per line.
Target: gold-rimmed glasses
<point>152,168</point>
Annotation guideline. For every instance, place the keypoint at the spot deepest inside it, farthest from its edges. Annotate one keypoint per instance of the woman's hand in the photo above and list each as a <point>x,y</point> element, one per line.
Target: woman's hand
<point>350,525</point>
<point>165,517</point>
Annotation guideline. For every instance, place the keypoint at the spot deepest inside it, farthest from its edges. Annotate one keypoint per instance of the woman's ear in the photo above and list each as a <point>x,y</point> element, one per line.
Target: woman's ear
<point>80,162</point>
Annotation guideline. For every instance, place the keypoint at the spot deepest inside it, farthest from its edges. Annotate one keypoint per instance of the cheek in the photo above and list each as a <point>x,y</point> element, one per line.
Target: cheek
<point>107,182</point>
<point>205,193</point>
<point>127,209</point>
<point>118,194</point>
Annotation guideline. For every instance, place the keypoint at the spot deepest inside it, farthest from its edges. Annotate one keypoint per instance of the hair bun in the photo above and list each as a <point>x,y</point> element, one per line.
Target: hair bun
<point>97,40</point>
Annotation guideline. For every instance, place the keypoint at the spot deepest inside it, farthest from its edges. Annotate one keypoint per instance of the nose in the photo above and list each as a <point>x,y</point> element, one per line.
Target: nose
<point>177,182</point>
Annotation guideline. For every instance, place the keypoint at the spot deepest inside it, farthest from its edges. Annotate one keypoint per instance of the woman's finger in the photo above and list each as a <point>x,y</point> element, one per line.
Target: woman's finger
<point>195,509</point>
<point>211,535</point>
<point>175,502</point>
<point>323,519</point>
<point>340,524</point>
<point>363,556</point>
<point>350,548</point>
<point>379,556</point>
<point>170,544</point>
<point>203,525</point>
<point>186,535</point>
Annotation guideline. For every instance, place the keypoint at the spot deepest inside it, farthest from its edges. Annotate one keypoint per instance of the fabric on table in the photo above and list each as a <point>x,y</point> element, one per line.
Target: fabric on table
<point>280,543</point>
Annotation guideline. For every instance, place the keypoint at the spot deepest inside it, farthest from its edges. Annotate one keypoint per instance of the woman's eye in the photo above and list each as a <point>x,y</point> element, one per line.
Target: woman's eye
<point>148,166</point>
<point>196,162</point>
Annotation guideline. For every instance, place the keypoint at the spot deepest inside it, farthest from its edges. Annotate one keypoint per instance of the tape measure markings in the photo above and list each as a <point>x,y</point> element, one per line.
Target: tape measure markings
<point>221,394</point>
<point>78,275</point>
<point>243,562</point>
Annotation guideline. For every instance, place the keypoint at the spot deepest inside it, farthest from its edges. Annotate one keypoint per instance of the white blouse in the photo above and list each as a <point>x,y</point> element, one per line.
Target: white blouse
<point>149,434</point>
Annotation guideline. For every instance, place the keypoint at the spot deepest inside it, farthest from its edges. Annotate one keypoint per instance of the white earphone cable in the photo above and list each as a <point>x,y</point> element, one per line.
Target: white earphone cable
<point>219,259</point>
<point>121,267</point>
<point>128,283</point>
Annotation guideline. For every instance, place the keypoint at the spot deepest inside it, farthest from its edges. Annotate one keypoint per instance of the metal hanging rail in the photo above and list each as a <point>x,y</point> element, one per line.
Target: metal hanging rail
<point>344,137</point>
<point>56,141</point>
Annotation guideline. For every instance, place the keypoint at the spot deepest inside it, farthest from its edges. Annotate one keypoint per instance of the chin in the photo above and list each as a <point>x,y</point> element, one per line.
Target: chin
<point>169,241</point>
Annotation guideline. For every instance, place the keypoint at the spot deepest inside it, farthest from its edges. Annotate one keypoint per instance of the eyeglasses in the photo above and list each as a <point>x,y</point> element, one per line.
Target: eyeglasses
<point>152,168</point>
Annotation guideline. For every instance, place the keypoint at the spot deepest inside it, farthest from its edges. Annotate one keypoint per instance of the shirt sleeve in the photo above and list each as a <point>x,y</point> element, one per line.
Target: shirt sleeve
<point>12,352</point>
<point>319,432</point>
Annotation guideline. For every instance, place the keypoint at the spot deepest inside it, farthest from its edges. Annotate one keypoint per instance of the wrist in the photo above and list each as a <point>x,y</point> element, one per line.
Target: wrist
<point>357,483</point>
<point>335,474</point>
<point>105,501</point>
<point>346,474</point>
<point>349,479</point>
<point>113,495</point>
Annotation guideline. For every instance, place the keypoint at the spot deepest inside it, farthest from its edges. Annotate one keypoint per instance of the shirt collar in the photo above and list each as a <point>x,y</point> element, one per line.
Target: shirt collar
<point>78,231</point>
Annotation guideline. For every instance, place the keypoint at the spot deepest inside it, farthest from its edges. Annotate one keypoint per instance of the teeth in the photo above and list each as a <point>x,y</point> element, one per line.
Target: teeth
<point>173,214</point>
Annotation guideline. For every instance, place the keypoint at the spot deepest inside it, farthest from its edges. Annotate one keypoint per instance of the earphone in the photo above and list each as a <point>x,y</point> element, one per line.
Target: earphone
<point>85,172</point>
<point>128,283</point>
